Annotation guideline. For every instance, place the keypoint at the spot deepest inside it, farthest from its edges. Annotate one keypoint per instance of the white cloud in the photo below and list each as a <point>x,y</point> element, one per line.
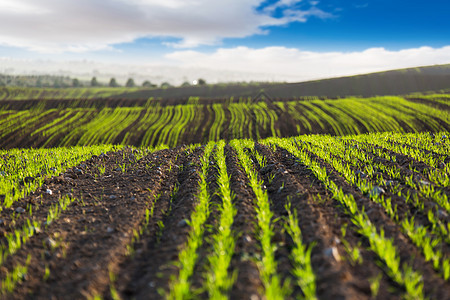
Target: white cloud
<point>21,8</point>
<point>83,25</point>
<point>239,64</point>
<point>86,69</point>
<point>295,65</point>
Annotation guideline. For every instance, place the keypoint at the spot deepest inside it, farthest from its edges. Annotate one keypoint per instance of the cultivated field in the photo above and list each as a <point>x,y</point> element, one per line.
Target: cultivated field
<point>232,198</point>
<point>312,216</point>
<point>149,123</point>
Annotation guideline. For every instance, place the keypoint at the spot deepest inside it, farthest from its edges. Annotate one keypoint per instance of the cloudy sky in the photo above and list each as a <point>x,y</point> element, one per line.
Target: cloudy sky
<point>177,40</point>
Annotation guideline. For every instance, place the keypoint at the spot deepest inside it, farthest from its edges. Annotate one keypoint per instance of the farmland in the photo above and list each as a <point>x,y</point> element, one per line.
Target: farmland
<point>149,122</point>
<point>312,216</point>
<point>104,197</point>
<point>394,82</point>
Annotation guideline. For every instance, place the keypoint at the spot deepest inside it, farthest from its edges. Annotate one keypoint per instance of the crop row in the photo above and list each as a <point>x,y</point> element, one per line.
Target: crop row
<point>153,125</point>
<point>427,239</point>
<point>379,244</point>
<point>23,170</point>
<point>382,213</point>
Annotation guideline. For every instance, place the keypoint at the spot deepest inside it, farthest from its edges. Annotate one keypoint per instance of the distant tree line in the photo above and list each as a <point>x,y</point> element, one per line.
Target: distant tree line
<point>51,81</point>
<point>35,81</point>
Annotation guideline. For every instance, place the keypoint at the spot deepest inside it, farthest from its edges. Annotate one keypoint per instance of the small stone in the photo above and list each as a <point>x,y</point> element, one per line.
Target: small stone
<point>332,252</point>
<point>424,182</point>
<point>247,238</point>
<point>50,242</point>
<point>389,183</point>
<point>361,174</point>
<point>53,169</point>
<point>20,210</point>
<point>151,284</point>
<point>376,191</point>
<point>110,230</point>
<point>254,297</point>
<point>442,214</point>
<point>36,230</point>
<point>118,169</point>
<point>78,171</point>
<point>182,223</point>
<point>48,191</point>
<point>1,221</point>
<point>112,197</point>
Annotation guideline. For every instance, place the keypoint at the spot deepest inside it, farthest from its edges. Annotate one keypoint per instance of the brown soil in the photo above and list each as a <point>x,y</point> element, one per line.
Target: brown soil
<point>429,102</point>
<point>434,285</point>
<point>196,131</point>
<point>103,242</point>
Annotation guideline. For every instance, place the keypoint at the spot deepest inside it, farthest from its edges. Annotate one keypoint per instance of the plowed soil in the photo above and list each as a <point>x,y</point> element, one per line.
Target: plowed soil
<point>104,244</point>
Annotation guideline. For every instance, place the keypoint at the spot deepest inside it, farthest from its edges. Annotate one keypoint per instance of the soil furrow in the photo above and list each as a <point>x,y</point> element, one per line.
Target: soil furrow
<point>434,286</point>
<point>320,221</point>
<point>41,201</point>
<point>429,102</point>
<point>405,163</point>
<point>73,256</point>
<point>423,150</point>
<point>248,283</point>
<point>405,160</point>
<point>197,279</point>
<point>146,275</point>
<point>403,208</point>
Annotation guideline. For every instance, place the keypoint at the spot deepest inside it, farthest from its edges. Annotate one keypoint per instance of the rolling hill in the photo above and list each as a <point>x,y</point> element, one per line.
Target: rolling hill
<point>395,82</point>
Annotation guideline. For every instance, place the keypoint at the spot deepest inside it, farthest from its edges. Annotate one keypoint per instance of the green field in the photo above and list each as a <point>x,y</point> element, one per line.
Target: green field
<point>383,196</point>
<point>104,198</point>
<point>26,123</point>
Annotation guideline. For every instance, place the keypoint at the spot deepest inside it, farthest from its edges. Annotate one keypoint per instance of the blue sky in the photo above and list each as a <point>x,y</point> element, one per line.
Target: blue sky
<point>288,40</point>
<point>358,25</point>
